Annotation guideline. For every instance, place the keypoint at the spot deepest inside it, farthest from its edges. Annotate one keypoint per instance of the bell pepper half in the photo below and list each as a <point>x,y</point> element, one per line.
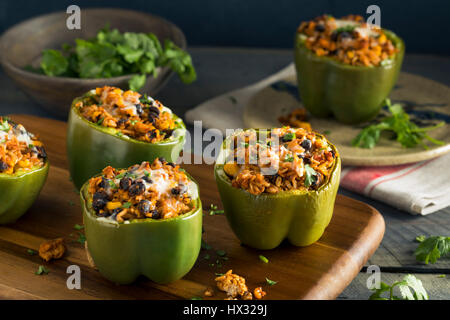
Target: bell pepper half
<point>19,191</point>
<point>162,250</point>
<point>92,147</point>
<point>263,221</point>
<point>352,94</point>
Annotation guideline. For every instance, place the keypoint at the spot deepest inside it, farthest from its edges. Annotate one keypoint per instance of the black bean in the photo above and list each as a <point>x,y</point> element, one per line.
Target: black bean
<point>171,164</point>
<point>3,166</point>
<point>121,121</point>
<point>175,191</point>
<point>334,36</point>
<point>155,214</point>
<point>41,152</point>
<point>306,144</point>
<point>99,201</point>
<point>154,110</point>
<point>137,188</point>
<point>272,178</point>
<point>114,214</point>
<point>144,206</point>
<point>320,27</point>
<point>345,34</point>
<point>125,183</point>
<point>162,159</point>
<point>168,133</point>
<point>139,109</point>
<point>104,183</point>
<point>151,134</point>
<point>317,181</point>
<point>147,179</point>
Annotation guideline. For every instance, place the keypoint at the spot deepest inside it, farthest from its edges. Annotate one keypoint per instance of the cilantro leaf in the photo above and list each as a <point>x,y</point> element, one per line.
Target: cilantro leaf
<point>221,253</point>
<point>311,175</point>
<point>270,282</point>
<point>406,132</point>
<point>78,227</point>
<point>409,282</point>
<point>4,126</point>
<point>53,62</point>
<point>42,270</point>
<point>433,248</point>
<point>137,81</point>
<point>205,246</point>
<point>81,238</point>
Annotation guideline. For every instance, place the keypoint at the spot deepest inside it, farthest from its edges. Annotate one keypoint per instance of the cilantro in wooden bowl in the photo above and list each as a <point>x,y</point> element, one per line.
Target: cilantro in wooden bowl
<point>53,64</point>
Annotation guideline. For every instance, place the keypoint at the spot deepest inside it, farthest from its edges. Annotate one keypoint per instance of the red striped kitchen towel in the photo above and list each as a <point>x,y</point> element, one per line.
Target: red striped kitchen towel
<point>419,188</point>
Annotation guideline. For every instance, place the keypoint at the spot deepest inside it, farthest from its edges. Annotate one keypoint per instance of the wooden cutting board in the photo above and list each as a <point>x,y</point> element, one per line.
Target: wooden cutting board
<point>320,271</point>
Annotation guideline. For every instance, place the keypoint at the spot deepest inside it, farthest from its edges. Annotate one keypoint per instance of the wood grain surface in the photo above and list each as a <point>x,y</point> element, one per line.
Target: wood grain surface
<point>320,271</point>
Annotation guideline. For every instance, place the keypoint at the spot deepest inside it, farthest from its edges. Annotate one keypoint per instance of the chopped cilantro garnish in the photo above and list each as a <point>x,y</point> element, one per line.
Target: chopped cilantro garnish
<point>263,259</point>
<point>78,227</point>
<point>42,270</point>
<point>31,252</point>
<point>81,238</point>
<point>289,158</point>
<point>126,205</point>
<point>270,282</point>
<point>205,246</point>
<point>221,253</point>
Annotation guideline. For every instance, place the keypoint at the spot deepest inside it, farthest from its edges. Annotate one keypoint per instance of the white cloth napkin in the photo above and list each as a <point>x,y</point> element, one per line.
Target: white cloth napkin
<point>419,188</point>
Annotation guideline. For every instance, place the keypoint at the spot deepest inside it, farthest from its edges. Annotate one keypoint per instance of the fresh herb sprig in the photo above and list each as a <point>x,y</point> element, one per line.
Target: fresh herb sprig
<point>432,248</point>
<point>409,282</point>
<point>406,132</point>
<point>112,53</point>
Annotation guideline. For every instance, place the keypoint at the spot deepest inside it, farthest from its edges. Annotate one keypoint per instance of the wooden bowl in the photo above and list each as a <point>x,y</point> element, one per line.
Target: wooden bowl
<point>22,45</point>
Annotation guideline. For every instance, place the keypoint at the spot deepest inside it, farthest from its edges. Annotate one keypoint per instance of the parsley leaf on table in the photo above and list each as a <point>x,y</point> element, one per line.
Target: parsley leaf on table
<point>433,248</point>
<point>409,282</point>
<point>406,132</point>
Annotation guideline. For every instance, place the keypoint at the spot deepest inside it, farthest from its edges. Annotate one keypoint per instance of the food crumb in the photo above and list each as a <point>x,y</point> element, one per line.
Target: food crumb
<point>233,284</point>
<point>258,293</point>
<point>209,292</point>
<point>52,249</point>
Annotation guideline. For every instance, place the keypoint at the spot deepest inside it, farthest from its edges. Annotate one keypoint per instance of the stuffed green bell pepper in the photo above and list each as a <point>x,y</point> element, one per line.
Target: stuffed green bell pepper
<point>23,170</point>
<point>278,184</point>
<point>345,67</point>
<point>108,126</point>
<point>144,220</point>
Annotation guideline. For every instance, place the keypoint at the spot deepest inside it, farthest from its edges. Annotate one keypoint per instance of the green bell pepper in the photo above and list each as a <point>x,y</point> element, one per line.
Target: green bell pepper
<point>263,221</point>
<point>19,191</point>
<point>162,250</point>
<point>352,94</point>
<point>92,147</point>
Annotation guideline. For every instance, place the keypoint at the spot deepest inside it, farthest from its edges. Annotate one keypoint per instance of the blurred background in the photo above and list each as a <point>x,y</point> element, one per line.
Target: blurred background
<point>264,23</point>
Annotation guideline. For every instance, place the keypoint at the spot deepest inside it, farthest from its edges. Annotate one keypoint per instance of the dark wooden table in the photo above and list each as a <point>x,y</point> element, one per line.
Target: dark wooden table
<point>224,69</point>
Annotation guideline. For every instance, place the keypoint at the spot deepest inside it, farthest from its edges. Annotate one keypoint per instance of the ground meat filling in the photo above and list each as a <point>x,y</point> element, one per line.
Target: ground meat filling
<point>349,40</point>
<point>134,116</point>
<point>286,159</point>
<point>158,190</point>
<point>20,150</point>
